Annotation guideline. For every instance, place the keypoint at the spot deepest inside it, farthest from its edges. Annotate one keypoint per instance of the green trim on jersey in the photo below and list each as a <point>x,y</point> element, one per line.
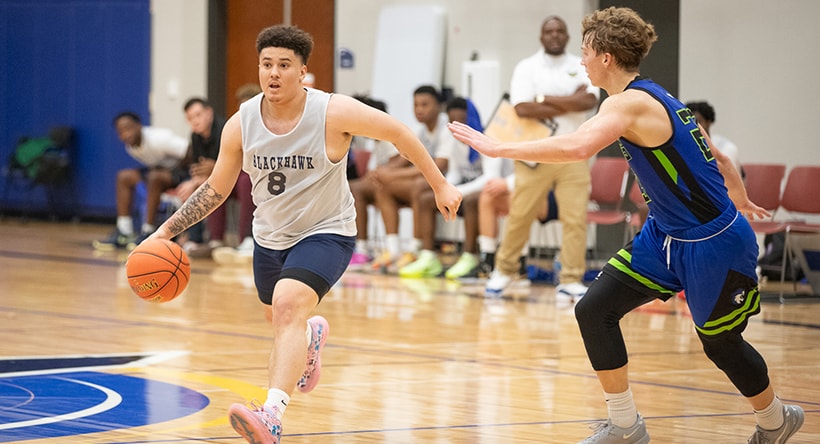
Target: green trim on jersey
<point>667,165</point>
<point>621,262</point>
<point>750,307</point>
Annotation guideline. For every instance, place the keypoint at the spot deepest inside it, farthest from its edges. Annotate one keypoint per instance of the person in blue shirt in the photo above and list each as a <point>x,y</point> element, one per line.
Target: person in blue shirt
<point>697,236</point>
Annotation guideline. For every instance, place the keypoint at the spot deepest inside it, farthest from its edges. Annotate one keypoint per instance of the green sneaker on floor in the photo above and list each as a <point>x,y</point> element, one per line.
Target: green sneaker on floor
<point>427,265</point>
<point>463,266</point>
<point>115,240</point>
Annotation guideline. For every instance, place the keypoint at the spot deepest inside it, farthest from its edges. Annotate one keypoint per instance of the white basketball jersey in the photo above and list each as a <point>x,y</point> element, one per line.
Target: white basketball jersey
<point>297,190</point>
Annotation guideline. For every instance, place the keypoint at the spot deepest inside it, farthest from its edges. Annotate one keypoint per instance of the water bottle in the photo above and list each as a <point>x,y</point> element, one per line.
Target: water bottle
<point>556,269</point>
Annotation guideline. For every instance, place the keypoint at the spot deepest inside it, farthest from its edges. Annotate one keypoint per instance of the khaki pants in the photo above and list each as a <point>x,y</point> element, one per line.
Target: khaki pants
<point>571,182</point>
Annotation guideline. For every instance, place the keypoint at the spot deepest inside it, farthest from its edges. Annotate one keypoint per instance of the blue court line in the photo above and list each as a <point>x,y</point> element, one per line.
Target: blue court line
<point>447,427</point>
<point>74,260</point>
<point>434,357</point>
<point>177,328</point>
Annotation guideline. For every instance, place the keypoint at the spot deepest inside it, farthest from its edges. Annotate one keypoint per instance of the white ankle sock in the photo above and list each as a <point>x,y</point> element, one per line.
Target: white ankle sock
<point>393,245</point>
<point>361,246</point>
<point>427,255</point>
<point>125,224</point>
<point>487,244</point>
<point>279,399</point>
<point>622,409</point>
<point>770,418</point>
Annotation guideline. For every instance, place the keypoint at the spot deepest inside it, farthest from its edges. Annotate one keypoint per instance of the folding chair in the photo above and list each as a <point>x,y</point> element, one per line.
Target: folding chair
<point>609,178</point>
<point>798,199</point>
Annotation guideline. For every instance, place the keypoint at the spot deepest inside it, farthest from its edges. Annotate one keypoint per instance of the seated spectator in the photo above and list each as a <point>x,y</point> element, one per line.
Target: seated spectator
<point>206,134</point>
<point>465,171</point>
<point>382,155</point>
<point>243,253</point>
<point>159,151</point>
<point>395,185</point>
<point>494,203</point>
<point>705,115</point>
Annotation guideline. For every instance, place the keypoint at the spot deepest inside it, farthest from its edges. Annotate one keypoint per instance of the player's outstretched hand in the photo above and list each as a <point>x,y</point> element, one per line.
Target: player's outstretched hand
<point>752,211</point>
<point>473,138</point>
<point>448,199</point>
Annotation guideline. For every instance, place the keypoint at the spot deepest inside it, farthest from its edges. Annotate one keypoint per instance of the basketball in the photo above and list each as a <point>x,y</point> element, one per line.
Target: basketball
<point>158,270</point>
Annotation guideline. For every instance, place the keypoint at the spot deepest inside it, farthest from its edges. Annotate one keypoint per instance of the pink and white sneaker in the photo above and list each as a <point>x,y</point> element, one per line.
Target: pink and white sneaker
<point>259,424</point>
<point>358,261</point>
<point>319,331</point>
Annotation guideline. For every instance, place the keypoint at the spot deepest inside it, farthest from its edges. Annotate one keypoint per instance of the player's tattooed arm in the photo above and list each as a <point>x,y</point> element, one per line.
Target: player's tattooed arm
<point>204,200</point>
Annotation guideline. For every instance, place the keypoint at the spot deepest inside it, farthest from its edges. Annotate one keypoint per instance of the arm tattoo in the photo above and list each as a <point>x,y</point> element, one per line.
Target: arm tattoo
<point>204,200</point>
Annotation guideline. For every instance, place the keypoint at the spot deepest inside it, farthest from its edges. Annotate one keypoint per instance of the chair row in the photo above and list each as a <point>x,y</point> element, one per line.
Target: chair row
<point>764,186</point>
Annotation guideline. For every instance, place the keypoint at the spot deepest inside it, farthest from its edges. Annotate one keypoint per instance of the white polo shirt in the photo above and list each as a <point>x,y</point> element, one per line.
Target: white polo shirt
<point>159,147</point>
<point>544,74</point>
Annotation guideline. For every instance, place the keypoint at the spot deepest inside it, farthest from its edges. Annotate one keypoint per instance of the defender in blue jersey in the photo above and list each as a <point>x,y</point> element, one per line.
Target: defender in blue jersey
<point>696,238</point>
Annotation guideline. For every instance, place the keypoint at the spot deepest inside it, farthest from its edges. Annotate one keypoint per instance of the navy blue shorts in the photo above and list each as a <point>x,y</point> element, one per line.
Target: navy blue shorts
<point>717,271</point>
<point>318,261</point>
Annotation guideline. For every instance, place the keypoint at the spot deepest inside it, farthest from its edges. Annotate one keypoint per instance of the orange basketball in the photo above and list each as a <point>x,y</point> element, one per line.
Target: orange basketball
<point>158,270</point>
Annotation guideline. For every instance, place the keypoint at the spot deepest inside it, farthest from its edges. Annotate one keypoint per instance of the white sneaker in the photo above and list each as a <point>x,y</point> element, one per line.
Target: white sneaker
<point>573,290</point>
<point>241,255</point>
<point>497,282</point>
<point>246,247</point>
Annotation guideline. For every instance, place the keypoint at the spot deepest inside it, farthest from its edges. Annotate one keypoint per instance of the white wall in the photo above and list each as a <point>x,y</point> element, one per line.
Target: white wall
<point>506,31</point>
<point>754,60</point>
<point>179,60</point>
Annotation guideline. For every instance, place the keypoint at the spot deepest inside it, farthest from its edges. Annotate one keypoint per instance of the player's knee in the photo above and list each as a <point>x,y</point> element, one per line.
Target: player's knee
<point>738,360</point>
<point>128,176</point>
<point>587,312</point>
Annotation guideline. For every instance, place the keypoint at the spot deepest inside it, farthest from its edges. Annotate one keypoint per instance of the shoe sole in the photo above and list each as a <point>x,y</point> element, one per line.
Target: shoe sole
<point>248,425</point>
<point>313,381</point>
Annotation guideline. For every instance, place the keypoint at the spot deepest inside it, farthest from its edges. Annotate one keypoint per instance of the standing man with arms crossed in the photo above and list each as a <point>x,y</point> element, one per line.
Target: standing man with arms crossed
<point>696,237</point>
<point>293,143</point>
<point>550,84</point>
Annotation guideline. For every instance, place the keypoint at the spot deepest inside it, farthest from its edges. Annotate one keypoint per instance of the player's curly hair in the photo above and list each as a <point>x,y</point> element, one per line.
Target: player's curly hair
<point>620,32</point>
<point>285,36</point>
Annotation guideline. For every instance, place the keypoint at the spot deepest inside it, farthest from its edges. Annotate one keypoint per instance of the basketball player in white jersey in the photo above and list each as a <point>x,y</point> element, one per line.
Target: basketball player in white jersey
<point>293,143</point>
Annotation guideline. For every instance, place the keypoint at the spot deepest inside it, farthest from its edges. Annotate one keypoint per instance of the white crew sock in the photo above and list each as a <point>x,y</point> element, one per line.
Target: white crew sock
<point>487,244</point>
<point>415,245</point>
<point>393,245</point>
<point>148,228</point>
<point>279,399</point>
<point>361,246</point>
<point>770,418</point>
<point>126,225</point>
<point>622,409</point>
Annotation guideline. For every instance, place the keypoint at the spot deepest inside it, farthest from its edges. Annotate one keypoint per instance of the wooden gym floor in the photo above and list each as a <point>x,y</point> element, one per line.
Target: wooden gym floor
<point>83,360</point>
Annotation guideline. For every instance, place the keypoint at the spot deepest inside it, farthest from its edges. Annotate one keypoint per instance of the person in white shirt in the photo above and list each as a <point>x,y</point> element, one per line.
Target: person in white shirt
<point>550,84</point>
<point>382,155</point>
<point>466,170</point>
<point>159,151</point>
<point>705,114</point>
<point>396,186</point>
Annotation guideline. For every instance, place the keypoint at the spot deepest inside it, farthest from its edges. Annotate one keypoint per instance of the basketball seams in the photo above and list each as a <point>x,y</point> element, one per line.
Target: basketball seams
<point>158,270</point>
